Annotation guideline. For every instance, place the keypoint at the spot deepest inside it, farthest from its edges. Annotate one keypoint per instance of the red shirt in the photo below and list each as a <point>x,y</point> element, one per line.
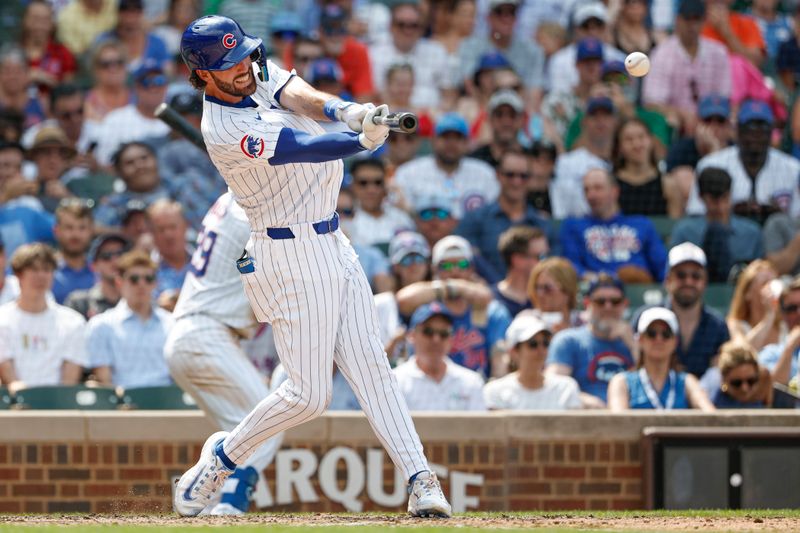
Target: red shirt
<point>57,61</point>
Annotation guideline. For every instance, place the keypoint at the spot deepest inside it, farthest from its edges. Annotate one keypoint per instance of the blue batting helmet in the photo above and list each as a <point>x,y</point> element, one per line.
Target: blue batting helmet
<point>216,43</point>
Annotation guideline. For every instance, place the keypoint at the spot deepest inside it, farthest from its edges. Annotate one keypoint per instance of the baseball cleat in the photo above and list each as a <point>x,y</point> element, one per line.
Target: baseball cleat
<point>426,498</point>
<point>199,485</point>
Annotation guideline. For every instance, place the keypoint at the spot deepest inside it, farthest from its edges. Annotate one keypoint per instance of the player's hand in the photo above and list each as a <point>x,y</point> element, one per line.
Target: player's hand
<point>374,135</point>
<point>353,115</point>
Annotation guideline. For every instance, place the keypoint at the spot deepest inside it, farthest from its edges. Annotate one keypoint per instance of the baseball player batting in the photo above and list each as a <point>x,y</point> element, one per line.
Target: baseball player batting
<point>299,271</point>
<point>203,348</point>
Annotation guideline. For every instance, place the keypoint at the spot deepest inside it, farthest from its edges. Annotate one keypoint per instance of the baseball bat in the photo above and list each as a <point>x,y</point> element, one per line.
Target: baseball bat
<point>400,122</point>
<point>174,120</point>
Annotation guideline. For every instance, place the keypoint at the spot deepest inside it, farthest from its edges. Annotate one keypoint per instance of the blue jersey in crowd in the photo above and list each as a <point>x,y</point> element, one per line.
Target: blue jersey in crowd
<point>594,361</point>
<point>66,280</point>
<point>20,225</point>
<point>595,245</point>
<point>472,342</point>
<point>637,394</point>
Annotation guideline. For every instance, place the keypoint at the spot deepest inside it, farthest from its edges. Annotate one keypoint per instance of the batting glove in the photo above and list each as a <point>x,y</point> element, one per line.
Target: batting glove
<point>374,135</point>
<point>350,113</point>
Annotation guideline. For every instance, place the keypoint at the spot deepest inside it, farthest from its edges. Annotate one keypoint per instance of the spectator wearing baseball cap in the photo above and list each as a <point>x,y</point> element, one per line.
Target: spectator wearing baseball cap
<point>483,226</point>
<point>468,182</point>
<point>430,381</point>
<point>476,316</point>
<point>657,383</point>
<point>434,217</point>
<point>526,57</point>
<point>135,121</point>
<point>727,239</point>
<point>351,56</point>
<point>685,67</point>
<point>763,179</point>
<point>701,329</point>
<point>506,112</point>
<point>563,106</point>
<point>589,19</point>
<point>714,112</point>
<point>529,388</point>
<point>592,354</point>
<point>433,70</point>
<point>324,74</point>
<point>103,255</point>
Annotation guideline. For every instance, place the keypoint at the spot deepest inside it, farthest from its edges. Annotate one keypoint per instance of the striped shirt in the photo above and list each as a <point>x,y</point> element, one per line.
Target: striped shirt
<point>133,348</point>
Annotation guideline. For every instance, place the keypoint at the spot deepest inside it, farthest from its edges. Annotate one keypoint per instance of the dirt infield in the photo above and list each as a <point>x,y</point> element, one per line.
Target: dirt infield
<point>758,521</point>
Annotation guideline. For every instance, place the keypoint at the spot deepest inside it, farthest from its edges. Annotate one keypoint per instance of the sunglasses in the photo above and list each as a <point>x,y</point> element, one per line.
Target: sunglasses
<point>136,278</point>
<point>437,213</point>
<point>715,120</point>
<point>109,63</point>
<point>462,264</point>
<point>665,334</point>
<point>346,211</point>
<point>107,256</point>
<point>545,289</point>
<point>524,176</point>
<point>737,383</point>
<point>505,12</point>
<point>412,259</point>
<point>68,115</point>
<point>790,309</point>
<point>367,183</point>
<point>696,276</point>
<point>406,25</point>
<point>533,344</point>
<point>153,81</point>
<point>430,332</point>
<point>602,302</point>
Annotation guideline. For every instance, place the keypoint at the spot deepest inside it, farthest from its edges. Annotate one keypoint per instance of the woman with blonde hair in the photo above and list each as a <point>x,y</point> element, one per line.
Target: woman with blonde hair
<point>657,383</point>
<point>553,291</point>
<point>754,316</point>
<point>745,384</point>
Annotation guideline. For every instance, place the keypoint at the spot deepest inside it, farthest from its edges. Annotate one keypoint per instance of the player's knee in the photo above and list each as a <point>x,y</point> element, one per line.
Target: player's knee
<point>316,400</point>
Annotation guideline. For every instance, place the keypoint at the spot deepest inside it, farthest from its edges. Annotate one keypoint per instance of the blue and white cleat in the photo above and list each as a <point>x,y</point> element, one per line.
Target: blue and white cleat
<point>198,486</point>
<point>237,492</point>
<point>426,499</point>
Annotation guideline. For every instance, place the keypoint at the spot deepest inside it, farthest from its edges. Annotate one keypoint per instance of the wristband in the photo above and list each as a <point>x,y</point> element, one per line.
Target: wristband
<point>331,107</point>
<point>450,290</point>
<point>438,289</point>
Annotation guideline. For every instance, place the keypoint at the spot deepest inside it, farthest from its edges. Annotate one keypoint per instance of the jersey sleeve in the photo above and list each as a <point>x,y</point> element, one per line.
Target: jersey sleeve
<point>269,91</point>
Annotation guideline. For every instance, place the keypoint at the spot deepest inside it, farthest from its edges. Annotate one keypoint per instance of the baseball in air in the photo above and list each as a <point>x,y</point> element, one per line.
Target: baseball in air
<point>637,64</point>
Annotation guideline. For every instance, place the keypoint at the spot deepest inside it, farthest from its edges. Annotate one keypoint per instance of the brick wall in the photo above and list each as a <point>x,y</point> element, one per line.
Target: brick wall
<point>114,462</point>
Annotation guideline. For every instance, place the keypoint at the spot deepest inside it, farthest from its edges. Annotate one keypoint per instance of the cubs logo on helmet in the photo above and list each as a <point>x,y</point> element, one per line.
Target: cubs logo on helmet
<point>252,147</point>
<point>229,41</point>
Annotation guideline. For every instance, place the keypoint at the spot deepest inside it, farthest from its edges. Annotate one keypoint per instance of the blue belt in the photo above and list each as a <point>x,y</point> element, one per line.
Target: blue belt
<point>323,227</point>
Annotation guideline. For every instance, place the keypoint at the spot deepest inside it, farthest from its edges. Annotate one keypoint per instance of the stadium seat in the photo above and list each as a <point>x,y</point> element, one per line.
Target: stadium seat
<point>58,397</point>
<point>156,398</point>
<point>644,294</point>
<point>718,296</point>
<point>664,226</point>
<point>5,399</point>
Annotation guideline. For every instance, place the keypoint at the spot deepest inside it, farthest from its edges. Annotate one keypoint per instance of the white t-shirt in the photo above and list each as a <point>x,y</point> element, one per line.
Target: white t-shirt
<point>566,192</point>
<point>125,125</point>
<point>776,183</point>
<point>558,392</point>
<point>461,389</point>
<point>39,343</point>
<point>367,230</point>
<point>472,185</point>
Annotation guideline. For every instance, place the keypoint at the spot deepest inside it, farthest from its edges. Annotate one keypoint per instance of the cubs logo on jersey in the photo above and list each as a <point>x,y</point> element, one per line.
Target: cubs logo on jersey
<point>252,147</point>
<point>229,41</point>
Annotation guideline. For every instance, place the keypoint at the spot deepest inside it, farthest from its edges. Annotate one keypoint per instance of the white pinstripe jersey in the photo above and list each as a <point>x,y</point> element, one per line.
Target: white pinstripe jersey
<point>241,139</point>
<point>212,286</point>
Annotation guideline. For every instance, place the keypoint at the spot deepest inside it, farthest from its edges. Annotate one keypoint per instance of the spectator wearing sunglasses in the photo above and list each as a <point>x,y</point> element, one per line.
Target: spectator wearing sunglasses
<point>135,121</point>
<point>103,257</point>
<point>701,329</point>
<point>764,179</point>
<point>142,46</point>
<point>434,218</point>
<point>430,381</point>
<point>595,353</point>
<point>553,290</point>
<point>657,383</point>
<point>782,359</point>
<point>745,384</point>
<point>529,387</point>
<point>479,322</point>
<point>109,75</point>
<point>727,239</point>
<point>126,343</point>
<point>482,227</point>
<point>51,153</point>
<point>375,220</point>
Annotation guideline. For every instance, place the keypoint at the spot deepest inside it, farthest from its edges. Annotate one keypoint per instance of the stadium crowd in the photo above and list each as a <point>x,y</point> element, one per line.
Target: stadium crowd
<point>552,237</point>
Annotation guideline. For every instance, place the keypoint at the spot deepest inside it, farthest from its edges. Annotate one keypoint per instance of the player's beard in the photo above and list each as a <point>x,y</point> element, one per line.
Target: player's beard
<point>234,90</point>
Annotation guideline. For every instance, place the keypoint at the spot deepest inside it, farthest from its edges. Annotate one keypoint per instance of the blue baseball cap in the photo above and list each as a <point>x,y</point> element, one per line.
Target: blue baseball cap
<point>589,48</point>
<point>605,281</point>
<point>613,67</point>
<point>324,69</point>
<point>427,311</point>
<point>150,74</point>
<point>451,122</point>
<point>599,103</point>
<point>492,60</point>
<point>713,105</point>
<point>755,110</point>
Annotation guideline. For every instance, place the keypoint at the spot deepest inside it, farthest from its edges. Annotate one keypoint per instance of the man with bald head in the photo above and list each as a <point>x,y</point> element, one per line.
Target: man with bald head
<point>608,241</point>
